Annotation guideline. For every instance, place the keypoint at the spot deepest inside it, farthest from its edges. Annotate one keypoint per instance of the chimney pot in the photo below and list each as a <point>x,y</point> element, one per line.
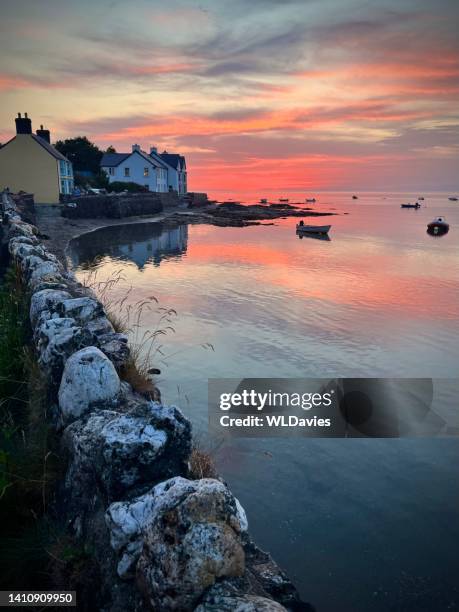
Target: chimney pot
<point>23,124</point>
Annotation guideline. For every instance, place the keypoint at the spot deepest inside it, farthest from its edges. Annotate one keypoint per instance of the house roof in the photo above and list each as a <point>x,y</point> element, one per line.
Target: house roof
<point>172,159</point>
<point>113,159</point>
<point>49,147</point>
<point>45,144</point>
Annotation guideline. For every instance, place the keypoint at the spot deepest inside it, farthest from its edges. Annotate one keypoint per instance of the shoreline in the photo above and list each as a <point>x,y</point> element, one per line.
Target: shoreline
<point>59,231</point>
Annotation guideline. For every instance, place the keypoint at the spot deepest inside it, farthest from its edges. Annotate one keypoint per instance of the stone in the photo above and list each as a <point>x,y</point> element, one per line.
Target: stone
<point>115,346</point>
<point>83,309</point>
<point>127,453</point>
<point>128,520</point>
<point>191,540</point>
<point>56,339</point>
<point>89,380</point>
<point>47,299</point>
<point>44,270</point>
<point>242,603</point>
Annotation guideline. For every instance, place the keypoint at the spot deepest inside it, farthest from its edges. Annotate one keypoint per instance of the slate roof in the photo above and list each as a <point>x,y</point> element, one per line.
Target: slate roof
<point>113,159</point>
<point>49,147</point>
<point>172,159</point>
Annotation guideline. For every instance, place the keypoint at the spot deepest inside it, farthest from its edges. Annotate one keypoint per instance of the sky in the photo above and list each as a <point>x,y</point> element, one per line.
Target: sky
<point>261,96</point>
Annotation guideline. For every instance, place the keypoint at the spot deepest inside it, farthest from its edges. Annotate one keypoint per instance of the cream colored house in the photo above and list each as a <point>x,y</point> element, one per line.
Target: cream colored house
<point>28,162</point>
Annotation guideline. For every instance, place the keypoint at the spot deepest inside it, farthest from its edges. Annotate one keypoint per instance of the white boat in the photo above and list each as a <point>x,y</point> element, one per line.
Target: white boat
<point>313,229</point>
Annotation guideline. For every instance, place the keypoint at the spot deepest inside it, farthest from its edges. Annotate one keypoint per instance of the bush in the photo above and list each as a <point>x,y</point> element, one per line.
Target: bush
<point>119,186</point>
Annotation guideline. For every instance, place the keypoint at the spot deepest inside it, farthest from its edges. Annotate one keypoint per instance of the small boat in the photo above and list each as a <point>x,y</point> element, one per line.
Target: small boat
<point>313,229</point>
<point>354,197</point>
<point>283,200</point>
<point>420,198</point>
<point>312,200</point>
<point>264,201</point>
<point>438,226</point>
<point>417,205</point>
<point>453,199</point>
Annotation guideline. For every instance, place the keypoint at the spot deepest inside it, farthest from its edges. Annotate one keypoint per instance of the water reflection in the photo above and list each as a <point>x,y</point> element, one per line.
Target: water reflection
<point>355,522</point>
<point>141,243</point>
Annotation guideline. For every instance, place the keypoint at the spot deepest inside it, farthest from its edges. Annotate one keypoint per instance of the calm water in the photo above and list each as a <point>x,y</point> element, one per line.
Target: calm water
<point>359,524</point>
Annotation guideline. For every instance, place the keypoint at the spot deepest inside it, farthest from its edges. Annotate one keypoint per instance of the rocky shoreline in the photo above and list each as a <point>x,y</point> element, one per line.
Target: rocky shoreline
<point>161,539</point>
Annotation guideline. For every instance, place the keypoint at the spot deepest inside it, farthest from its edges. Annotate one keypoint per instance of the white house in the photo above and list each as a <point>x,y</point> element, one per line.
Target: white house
<point>158,172</point>
<point>177,176</point>
<point>136,167</point>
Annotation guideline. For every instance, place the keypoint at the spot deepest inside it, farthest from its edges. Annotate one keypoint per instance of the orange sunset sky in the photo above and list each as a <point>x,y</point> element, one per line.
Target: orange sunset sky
<point>261,95</point>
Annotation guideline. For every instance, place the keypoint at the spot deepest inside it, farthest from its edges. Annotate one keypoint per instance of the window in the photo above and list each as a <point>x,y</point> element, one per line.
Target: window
<point>127,172</point>
<point>147,186</point>
<point>146,171</point>
<point>111,171</point>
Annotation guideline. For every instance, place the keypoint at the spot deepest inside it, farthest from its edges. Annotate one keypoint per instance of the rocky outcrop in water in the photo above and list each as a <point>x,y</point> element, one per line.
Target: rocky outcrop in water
<point>161,540</point>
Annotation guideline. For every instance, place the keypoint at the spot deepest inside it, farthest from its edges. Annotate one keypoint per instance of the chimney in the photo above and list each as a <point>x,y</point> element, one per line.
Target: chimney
<point>44,134</point>
<point>135,147</point>
<point>23,124</point>
<point>153,150</point>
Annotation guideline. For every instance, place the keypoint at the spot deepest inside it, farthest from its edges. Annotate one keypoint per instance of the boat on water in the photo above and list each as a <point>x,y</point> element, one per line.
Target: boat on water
<point>263,200</point>
<point>283,200</point>
<point>417,205</point>
<point>438,226</point>
<point>354,197</point>
<point>312,229</point>
<point>452,198</point>
<point>420,198</point>
<point>312,200</point>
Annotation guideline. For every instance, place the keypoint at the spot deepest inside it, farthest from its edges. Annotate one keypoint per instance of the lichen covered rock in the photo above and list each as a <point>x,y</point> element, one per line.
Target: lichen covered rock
<point>127,453</point>
<point>191,538</point>
<point>89,380</point>
<point>47,299</point>
<point>56,340</point>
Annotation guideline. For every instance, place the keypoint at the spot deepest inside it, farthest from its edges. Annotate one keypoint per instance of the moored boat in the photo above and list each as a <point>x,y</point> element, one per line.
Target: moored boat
<point>453,199</point>
<point>417,205</point>
<point>263,200</point>
<point>312,229</point>
<point>438,226</point>
<point>354,197</point>
<point>312,200</point>
<point>283,200</point>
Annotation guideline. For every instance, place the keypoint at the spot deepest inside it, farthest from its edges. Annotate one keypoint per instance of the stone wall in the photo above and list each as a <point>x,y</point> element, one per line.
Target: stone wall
<point>114,206</point>
<point>161,540</point>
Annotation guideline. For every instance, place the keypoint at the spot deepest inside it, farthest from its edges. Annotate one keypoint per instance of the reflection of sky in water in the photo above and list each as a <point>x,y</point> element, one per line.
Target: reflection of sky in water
<point>360,524</point>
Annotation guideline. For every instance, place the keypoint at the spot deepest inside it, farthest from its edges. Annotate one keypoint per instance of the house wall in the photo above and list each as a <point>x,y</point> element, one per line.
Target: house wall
<point>136,164</point>
<point>27,166</point>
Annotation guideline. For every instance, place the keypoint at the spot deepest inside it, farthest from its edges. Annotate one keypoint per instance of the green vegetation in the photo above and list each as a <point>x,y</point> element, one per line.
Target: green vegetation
<point>32,539</point>
<point>119,186</point>
<point>84,154</point>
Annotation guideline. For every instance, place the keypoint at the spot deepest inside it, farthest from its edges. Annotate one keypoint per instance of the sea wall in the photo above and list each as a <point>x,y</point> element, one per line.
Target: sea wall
<point>117,206</point>
<point>161,540</point>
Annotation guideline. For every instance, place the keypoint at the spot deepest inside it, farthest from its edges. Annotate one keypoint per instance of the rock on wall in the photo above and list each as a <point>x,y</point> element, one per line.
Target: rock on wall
<point>161,540</point>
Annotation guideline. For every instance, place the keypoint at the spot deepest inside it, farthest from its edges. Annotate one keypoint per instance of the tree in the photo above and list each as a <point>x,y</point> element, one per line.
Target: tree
<point>84,154</point>
<point>110,149</point>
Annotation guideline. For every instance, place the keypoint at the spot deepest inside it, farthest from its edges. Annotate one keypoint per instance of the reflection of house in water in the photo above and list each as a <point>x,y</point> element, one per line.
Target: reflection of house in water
<point>138,242</point>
